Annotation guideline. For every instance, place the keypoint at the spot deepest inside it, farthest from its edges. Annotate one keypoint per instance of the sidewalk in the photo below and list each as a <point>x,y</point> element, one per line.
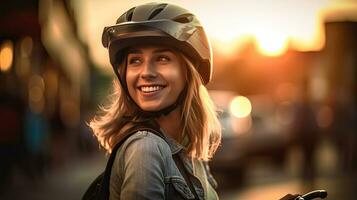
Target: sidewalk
<point>67,182</point>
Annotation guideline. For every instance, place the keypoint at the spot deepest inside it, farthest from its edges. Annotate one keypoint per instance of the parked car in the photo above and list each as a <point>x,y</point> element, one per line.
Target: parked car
<point>250,130</point>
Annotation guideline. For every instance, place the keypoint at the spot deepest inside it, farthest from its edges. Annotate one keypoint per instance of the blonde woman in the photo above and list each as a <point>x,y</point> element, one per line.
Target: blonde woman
<point>162,58</point>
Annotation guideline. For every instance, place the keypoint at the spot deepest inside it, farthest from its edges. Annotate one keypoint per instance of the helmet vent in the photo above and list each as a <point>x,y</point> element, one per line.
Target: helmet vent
<point>184,18</point>
<point>129,14</point>
<point>157,10</point>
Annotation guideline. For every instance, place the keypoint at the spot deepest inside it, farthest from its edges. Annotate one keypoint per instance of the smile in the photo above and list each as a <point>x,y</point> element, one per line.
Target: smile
<point>148,89</point>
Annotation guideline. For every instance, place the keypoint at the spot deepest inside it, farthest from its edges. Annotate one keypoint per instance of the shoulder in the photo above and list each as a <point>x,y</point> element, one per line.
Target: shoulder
<point>145,143</point>
<point>141,160</point>
<point>142,149</point>
<point>145,137</point>
<point>142,154</point>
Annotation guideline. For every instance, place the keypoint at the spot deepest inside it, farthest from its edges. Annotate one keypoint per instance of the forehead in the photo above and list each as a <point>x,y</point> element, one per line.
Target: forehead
<point>140,49</point>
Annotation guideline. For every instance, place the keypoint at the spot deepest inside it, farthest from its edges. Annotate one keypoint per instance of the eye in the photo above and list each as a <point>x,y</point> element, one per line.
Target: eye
<point>134,61</point>
<point>163,58</point>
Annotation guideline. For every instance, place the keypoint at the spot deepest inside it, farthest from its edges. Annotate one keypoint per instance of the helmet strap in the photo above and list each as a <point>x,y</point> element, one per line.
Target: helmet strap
<point>163,112</point>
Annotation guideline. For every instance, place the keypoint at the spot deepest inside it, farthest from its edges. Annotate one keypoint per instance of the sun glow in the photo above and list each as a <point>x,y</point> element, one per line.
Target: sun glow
<point>274,26</point>
<point>271,44</point>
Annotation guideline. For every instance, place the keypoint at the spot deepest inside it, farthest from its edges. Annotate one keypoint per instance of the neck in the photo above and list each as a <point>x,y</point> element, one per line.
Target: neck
<point>172,125</point>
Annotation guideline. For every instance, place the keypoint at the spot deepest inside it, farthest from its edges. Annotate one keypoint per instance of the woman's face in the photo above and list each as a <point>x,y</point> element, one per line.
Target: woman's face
<point>155,76</point>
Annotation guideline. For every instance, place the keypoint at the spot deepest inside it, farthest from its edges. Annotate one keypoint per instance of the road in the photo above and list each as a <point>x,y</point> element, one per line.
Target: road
<point>263,181</point>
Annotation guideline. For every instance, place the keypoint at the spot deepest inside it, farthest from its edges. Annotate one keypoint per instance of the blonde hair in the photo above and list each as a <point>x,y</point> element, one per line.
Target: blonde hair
<point>198,114</point>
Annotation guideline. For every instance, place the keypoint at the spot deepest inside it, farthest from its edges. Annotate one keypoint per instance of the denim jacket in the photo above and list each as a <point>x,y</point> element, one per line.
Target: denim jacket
<point>144,169</point>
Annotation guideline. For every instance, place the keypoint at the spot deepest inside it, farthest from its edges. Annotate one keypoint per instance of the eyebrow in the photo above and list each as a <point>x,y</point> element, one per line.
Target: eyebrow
<point>138,51</point>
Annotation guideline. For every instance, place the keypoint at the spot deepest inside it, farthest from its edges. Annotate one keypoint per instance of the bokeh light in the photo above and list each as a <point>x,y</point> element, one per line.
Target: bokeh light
<point>6,55</point>
<point>240,106</point>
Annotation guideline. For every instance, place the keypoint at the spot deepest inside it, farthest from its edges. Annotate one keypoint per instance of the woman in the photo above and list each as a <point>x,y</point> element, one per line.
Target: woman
<point>162,58</point>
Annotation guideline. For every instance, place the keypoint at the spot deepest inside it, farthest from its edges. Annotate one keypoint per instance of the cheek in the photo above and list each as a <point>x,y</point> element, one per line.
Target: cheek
<point>129,77</point>
<point>177,73</point>
<point>181,73</point>
<point>178,76</point>
<point>130,80</point>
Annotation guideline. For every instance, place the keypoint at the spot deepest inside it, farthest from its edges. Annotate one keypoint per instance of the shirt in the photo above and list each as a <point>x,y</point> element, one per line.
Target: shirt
<point>144,169</point>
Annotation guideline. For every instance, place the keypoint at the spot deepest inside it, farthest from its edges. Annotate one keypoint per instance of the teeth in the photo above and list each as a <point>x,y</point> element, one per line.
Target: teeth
<point>150,88</point>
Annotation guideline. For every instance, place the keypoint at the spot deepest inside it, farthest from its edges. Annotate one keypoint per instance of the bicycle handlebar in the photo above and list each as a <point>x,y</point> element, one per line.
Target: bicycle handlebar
<point>313,194</point>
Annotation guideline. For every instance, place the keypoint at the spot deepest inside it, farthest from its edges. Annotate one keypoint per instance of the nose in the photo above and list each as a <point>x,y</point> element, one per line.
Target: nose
<point>148,71</point>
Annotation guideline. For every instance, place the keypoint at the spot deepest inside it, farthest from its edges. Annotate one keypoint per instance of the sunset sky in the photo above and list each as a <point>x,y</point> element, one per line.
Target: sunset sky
<point>273,24</point>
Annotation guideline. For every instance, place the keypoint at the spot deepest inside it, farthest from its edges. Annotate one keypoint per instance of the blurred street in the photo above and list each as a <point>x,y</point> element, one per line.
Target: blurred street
<point>268,183</point>
<point>66,182</point>
<point>273,183</point>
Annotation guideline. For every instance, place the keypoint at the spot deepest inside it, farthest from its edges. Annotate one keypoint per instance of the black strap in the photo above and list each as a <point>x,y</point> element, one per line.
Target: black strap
<point>186,176</point>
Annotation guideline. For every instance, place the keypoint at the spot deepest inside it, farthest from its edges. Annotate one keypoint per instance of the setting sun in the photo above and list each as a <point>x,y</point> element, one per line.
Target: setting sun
<point>271,44</point>
<point>271,26</point>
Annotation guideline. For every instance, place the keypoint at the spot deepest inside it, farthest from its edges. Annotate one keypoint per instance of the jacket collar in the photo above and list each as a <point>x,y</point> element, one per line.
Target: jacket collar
<point>175,146</point>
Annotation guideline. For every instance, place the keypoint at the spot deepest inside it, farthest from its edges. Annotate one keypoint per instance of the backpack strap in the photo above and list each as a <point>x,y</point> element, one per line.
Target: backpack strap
<point>180,165</point>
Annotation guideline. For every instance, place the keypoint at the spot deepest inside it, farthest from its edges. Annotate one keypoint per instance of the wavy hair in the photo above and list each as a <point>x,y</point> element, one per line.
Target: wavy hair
<point>198,115</point>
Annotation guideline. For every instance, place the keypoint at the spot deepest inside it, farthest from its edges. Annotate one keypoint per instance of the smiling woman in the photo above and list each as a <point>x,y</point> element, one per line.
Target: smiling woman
<point>162,58</point>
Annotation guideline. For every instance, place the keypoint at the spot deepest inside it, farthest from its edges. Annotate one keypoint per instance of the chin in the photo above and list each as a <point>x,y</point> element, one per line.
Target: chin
<point>151,107</point>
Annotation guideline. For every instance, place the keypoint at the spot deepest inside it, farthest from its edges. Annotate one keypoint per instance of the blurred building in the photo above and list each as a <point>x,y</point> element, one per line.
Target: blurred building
<point>45,81</point>
<point>340,56</point>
